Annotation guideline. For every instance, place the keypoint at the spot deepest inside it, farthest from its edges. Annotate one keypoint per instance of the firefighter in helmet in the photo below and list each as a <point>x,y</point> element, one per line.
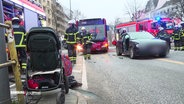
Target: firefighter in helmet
<point>182,36</point>
<point>86,41</point>
<point>71,38</point>
<point>176,38</point>
<point>162,34</point>
<point>20,34</point>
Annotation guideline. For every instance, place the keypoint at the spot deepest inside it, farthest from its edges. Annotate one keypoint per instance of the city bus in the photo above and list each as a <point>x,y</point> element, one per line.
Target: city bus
<point>98,28</point>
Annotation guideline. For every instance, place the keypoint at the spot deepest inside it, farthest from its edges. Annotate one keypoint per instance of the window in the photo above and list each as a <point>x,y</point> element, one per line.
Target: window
<point>141,27</point>
<point>48,11</point>
<point>44,8</point>
<point>49,20</point>
<point>48,3</point>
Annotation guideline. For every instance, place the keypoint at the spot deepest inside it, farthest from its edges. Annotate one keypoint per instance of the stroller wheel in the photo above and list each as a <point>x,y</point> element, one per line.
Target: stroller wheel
<point>60,98</point>
<point>66,84</point>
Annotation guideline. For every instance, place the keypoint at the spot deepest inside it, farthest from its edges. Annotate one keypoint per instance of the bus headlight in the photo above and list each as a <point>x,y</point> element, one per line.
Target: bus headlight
<point>105,44</point>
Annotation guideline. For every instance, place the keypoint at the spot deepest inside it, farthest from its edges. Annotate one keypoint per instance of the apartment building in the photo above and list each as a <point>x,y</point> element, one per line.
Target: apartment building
<point>55,15</point>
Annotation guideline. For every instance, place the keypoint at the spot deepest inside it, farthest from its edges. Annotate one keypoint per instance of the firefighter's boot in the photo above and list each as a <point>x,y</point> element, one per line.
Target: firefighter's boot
<point>89,57</point>
<point>175,48</point>
<point>85,57</point>
<point>182,48</point>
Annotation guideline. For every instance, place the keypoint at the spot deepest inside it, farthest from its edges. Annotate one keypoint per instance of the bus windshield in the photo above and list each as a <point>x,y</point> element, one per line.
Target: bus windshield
<point>97,31</point>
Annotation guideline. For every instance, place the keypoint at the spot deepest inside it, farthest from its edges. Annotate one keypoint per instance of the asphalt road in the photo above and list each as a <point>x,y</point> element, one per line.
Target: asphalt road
<point>115,79</point>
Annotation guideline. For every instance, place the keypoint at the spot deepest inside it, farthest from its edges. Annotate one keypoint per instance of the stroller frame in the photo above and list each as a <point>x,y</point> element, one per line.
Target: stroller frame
<point>62,78</point>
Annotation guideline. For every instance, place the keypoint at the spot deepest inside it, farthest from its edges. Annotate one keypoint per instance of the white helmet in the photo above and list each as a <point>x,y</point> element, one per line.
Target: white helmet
<point>122,30</point>
<point>15,20</point>
<point>161,28</point>
<point>83,28</point>
<point>71,22</point>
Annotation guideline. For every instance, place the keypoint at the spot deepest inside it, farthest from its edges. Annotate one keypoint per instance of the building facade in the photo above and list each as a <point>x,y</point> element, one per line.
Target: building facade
<point>55,15</point>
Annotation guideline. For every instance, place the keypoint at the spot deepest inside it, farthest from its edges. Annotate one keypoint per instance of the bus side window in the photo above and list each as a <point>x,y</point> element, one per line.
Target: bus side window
<point>154,26</point>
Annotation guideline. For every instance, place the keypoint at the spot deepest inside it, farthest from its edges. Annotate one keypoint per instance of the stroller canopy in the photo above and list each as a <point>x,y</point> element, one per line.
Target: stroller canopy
<point>43,46</point>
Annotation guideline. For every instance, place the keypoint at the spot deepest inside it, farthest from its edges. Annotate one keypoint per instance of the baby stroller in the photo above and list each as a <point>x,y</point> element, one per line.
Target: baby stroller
<point>44,63</point>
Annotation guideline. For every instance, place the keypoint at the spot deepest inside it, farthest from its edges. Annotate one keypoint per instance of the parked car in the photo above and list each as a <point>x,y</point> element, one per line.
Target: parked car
<point>141,44</point>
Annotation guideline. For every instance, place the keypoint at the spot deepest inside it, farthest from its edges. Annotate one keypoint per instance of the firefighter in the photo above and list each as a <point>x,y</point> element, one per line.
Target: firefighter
<point>164,36</point>
<point>71,38</point>
<point>176,38</point>
<point>86,41</point>
<point>122,31</point>
<point>19,34</point>
<point>182,36</point>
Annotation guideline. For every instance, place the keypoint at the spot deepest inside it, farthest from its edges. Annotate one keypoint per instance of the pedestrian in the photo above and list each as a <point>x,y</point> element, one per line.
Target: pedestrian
<point>86,41</point>
<point>176,38</point>
<point>71,38</point>
<point>19,34</point>
<point>182,36</point>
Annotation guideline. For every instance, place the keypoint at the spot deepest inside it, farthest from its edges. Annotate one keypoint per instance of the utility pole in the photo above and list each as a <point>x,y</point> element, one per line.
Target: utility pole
<point>70,10</point>
<point>4,77</point>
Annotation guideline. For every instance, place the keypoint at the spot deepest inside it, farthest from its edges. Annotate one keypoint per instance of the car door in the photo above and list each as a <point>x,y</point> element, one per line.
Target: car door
<point>119,43</point>
<point>126,41</point>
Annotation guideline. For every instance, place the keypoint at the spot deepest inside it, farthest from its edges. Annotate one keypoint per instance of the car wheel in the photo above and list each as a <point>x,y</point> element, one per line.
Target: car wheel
<point>132,53</point>
<point>163,55</point>
<point>118,52</point>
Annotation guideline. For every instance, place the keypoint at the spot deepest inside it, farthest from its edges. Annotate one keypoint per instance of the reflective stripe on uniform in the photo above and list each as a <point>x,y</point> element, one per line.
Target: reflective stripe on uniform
<point>176,37</point>
<point>24,65</point>
<point>72,58</point>
<point>22,39</point>
<point>75,38</point>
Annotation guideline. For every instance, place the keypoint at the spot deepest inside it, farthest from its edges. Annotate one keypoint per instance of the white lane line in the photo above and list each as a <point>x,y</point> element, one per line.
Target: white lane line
<point>76,71</point>
<point>84,76</point>
<point>11,86</point>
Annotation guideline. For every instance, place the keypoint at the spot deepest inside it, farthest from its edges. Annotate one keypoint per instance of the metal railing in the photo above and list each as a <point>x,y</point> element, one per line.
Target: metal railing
<point>9,63</point>
<point>13,62</point>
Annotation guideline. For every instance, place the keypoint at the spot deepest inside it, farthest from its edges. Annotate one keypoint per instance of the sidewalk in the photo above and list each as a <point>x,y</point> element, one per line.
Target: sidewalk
<point>73,97</point>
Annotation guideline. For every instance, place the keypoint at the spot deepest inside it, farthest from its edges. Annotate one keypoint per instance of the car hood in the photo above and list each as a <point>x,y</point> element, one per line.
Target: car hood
<point>149,41</point>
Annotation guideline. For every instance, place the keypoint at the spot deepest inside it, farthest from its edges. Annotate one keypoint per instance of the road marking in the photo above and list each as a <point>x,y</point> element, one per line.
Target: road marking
<point>84,76</point>
<point>11,86</point>
<point>172,61</point>
<point>77,71</point>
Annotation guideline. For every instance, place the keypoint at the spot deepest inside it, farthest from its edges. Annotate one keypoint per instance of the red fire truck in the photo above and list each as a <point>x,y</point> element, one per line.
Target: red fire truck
<point>148,25</point>
<point>29,11</point>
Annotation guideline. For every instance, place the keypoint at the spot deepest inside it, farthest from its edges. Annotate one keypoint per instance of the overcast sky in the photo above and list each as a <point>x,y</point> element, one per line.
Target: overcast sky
<point>109,9</point>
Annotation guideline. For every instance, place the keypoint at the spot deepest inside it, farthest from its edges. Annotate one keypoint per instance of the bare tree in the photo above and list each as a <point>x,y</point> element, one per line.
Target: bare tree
<point>180,9</point>
<point>117,21</point>
<point>77,15</point>
<point>133,10</point>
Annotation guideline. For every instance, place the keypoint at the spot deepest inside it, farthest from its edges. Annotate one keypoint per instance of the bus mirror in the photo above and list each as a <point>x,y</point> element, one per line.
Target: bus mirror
<point>107,27</point>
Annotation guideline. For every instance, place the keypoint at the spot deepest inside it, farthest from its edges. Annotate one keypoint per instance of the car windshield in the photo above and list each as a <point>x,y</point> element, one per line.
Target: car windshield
<point>140,35</point>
